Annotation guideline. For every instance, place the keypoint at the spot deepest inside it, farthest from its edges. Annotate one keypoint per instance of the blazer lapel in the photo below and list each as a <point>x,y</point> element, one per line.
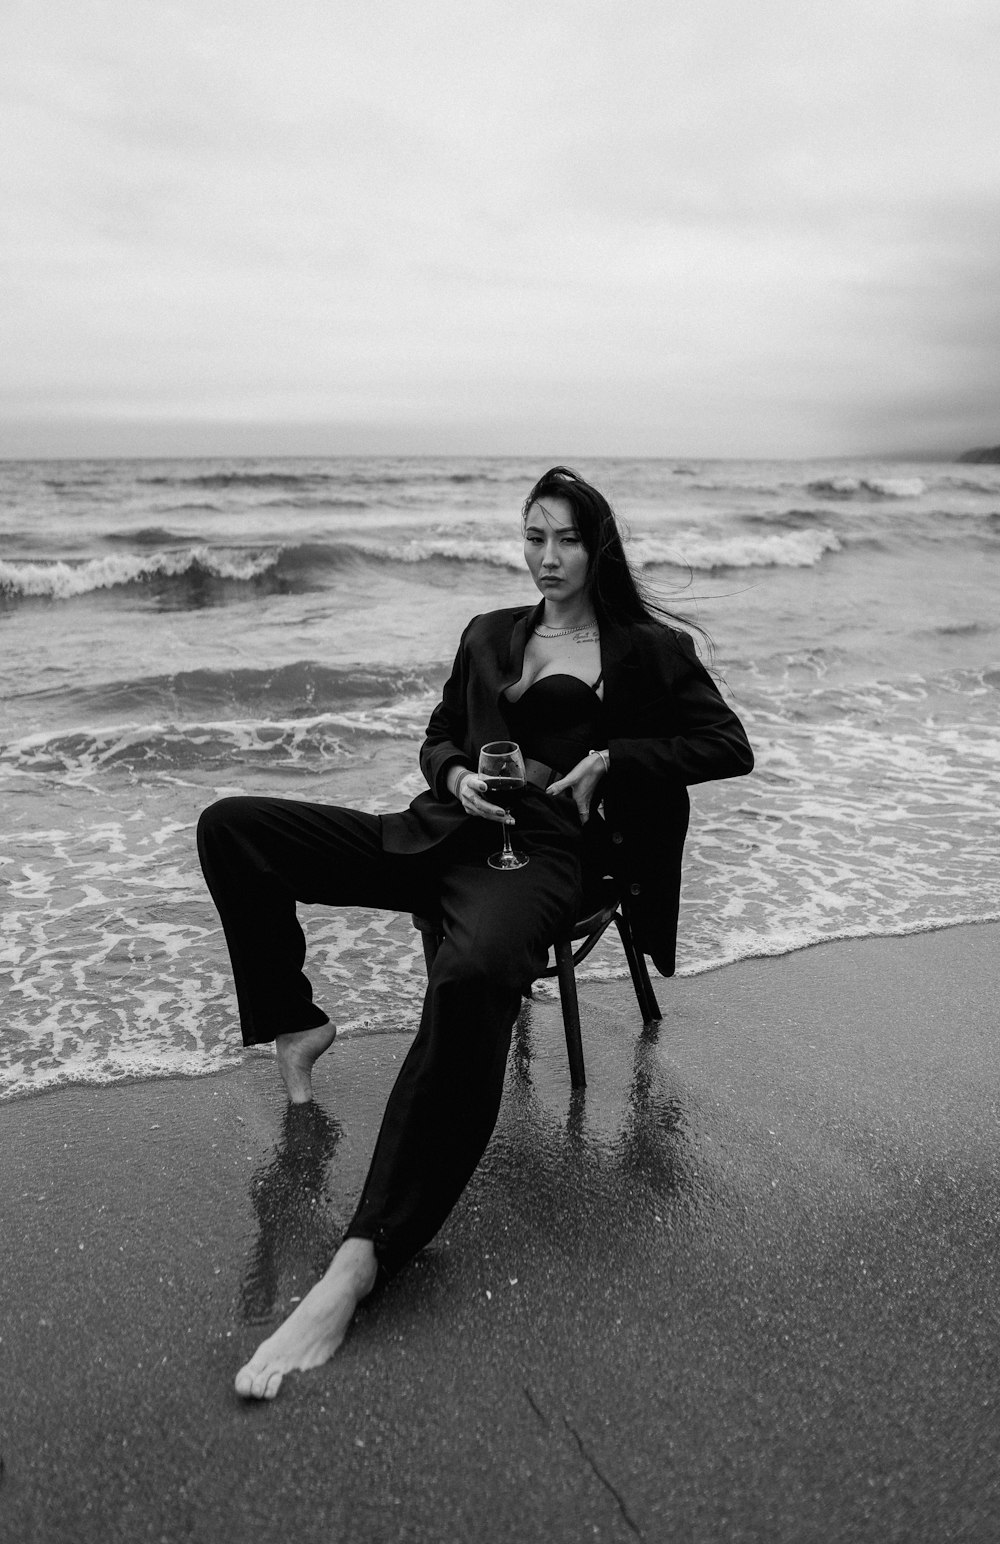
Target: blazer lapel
<point>521,632</point>
<point>618,664</point>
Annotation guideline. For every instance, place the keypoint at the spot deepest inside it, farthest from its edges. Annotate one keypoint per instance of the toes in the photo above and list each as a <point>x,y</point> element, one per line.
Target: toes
<point>258,1382</point>
<point>244,1383</point>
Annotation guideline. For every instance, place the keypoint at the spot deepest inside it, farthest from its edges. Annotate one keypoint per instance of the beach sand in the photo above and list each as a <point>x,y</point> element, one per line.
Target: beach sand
<point>742,1289</point>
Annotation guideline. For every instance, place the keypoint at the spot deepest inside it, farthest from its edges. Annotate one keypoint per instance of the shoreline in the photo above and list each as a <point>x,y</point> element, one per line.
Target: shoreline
<point>588,976</point>
<point>743,1286</point>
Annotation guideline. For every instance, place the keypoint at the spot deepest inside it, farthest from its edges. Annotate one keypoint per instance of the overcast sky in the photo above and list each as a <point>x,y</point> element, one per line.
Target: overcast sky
<point>687,228</point>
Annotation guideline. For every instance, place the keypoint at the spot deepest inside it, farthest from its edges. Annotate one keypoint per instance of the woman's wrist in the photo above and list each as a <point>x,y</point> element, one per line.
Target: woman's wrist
<point>455,777</point>
<point>605,759</point>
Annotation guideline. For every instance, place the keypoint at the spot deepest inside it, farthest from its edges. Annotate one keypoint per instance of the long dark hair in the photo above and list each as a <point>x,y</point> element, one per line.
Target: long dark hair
<point>618,595</point>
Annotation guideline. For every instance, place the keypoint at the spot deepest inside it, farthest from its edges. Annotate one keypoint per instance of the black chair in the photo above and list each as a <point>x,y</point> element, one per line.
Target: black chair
<point>587,932</point>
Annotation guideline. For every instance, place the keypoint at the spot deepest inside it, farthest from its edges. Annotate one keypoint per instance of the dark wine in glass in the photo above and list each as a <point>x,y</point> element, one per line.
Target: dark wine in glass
<point>502,766</point>
<point>504,790</point>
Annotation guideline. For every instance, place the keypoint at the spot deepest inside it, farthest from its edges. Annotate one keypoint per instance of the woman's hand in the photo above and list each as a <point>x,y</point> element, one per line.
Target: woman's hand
<point>468,788</point>
<point>581,783</point>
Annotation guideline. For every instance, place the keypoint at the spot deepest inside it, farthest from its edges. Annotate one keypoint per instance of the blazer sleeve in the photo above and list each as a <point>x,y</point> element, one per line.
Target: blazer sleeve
<point>691,735</point>
<point>446,740</point>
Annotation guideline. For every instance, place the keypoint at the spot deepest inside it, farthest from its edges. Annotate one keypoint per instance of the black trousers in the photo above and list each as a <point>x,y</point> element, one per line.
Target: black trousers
<point>260,856</point>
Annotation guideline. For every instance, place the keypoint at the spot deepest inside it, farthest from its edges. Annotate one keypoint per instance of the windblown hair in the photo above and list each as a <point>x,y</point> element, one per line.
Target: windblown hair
<point>619,596</point>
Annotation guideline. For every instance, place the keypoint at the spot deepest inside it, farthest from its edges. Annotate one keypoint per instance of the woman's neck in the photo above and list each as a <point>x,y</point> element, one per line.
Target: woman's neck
<point>576,613</point>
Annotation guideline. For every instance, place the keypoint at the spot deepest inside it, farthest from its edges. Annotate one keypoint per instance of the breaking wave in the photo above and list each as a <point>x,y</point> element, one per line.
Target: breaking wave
<point>880,487</point>
<point>64,580</point>
<point>191,571</point>
<point>802,548</point>
<point>684,549</point>
<point>194,569</point>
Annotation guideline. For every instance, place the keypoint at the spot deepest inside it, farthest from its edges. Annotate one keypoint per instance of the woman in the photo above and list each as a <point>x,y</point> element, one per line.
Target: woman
<point>610,705</point>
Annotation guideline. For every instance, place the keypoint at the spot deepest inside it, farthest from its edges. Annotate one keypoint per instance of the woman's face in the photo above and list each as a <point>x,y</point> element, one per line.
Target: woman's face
<point>554,552</point>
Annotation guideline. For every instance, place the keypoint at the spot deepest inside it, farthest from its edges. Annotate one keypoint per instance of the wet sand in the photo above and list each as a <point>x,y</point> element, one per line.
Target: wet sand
<point>742,1289</point>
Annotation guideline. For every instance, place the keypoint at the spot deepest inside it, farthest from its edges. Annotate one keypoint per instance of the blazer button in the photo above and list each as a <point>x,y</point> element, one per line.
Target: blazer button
<point>633,889</point>
<point>617,838</point>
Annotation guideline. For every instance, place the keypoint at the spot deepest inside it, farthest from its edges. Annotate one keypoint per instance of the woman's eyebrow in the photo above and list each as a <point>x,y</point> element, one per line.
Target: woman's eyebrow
<point>560,530</point>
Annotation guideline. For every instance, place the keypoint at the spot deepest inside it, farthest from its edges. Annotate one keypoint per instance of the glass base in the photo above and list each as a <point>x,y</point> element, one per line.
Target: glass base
<point>507,860</point>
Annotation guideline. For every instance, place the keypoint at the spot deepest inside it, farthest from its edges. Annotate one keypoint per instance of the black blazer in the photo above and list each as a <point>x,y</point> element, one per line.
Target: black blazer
<point>667,727</point>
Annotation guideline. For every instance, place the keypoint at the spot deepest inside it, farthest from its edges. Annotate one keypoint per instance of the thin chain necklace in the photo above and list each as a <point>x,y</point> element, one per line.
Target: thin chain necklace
<point>562,632</point>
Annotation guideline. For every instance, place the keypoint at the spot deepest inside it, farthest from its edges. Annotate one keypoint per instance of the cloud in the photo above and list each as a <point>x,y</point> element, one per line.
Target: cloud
<point>712,228</point>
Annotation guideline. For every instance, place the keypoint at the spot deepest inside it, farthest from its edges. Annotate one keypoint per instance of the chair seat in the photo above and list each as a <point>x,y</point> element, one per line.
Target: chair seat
<point>590,929</point>
<point>599,918</point>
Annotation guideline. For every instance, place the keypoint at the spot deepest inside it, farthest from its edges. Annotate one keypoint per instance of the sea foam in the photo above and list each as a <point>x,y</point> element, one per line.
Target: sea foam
<point>881,487</point>
<point>698,550</point>
<point>686,548</point>
<point>63,580</point>
<point>308,744</point>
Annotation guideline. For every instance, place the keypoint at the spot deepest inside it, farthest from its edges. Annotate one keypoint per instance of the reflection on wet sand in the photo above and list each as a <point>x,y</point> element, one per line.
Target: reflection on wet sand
<point>592,1157</point>
<point>296,1232</point>
<point>651,1144</point>
<point>602,1162</point>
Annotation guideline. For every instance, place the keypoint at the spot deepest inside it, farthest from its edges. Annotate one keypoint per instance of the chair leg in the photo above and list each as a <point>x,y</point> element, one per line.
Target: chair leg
<point>566,972</point>
<point>646,997</point>
<point>430,937</point>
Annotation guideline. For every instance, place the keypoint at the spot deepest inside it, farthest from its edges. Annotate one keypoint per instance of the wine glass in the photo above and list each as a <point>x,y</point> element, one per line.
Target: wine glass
<point>502,766</point>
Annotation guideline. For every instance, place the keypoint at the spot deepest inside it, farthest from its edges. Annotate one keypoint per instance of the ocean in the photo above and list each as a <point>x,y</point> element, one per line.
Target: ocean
<point>173,631</point>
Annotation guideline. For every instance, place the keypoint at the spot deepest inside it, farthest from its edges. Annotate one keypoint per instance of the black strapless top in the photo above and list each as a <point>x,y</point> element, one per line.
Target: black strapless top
<point>557,720</point>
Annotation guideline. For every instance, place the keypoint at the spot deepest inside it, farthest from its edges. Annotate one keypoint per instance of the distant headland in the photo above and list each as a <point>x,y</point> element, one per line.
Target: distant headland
<point>985,453</point>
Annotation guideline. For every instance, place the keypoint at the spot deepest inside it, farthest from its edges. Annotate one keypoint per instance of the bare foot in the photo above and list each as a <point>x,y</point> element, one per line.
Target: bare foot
<point>314,1330</point>
<point>297,1054</point>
